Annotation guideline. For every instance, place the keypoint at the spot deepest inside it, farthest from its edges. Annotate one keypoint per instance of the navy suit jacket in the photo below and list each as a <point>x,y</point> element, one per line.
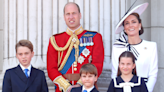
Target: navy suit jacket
<point>79,89</point>
<point>15,80</point>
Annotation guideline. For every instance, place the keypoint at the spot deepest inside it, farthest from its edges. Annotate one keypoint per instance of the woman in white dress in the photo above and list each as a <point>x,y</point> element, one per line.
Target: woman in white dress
<point>145,52</point>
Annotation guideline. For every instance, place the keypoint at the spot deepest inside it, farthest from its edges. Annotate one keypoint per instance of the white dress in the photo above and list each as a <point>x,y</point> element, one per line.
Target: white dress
<point>146,63</point>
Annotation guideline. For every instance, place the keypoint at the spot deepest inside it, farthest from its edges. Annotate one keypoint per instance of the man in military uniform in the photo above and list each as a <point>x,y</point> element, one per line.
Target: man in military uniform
<point>69,50</point>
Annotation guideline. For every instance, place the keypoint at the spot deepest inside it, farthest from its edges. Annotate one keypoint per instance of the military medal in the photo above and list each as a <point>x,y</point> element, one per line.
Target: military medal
<point>90,59</point>
<point>92,42</point>
<point>86,52</point>
<point>81,42</point>
<point>87,41</point>
<point>85,44</point>
<point>81,59</point>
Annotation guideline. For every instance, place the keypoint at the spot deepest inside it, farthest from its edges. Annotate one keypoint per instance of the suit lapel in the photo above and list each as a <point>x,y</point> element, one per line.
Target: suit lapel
<point>20,74</point>
<point>78,89</point>
<point>31,78</point>
<point>94,90</point>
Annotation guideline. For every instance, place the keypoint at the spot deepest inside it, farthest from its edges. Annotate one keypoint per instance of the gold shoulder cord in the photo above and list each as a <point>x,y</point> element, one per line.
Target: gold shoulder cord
<point>73,41</point>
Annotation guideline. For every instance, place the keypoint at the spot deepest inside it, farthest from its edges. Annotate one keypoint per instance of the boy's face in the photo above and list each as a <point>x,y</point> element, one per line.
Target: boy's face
<point>88,80</point>
<point>24,55</point>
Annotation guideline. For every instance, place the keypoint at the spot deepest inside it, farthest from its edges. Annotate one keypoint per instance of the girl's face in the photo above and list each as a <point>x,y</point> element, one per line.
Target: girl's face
<point>126,65</point>
<point>132,25</point>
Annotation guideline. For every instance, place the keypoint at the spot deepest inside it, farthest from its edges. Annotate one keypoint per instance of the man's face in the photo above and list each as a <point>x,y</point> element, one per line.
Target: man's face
<point>72,16</point>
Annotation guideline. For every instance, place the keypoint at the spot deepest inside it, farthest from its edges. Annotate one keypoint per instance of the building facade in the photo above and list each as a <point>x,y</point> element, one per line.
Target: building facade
<point>37,20</point>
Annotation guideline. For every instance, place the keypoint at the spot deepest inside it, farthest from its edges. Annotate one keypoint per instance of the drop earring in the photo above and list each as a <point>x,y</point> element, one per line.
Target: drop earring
<point>139,28</point>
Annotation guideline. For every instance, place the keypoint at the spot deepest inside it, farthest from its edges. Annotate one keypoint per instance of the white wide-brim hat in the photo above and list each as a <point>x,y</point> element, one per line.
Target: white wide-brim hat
<point>138,9</point>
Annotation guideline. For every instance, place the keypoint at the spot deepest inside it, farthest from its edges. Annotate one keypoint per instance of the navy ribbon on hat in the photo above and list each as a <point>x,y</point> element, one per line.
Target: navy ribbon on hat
<point>122,41</point>
<point>128,10</point>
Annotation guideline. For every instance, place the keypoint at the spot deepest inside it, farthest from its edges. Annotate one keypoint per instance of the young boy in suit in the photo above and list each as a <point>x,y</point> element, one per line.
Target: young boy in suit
<point>88,76</point>
<point>24,77</point>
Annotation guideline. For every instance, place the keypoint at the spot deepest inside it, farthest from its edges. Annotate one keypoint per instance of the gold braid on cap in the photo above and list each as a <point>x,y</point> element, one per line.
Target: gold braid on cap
<point>73,41</point>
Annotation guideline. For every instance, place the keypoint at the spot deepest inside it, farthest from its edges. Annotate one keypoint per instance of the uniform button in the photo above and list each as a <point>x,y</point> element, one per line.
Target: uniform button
<point>75,69</point>
<point>75,65</point>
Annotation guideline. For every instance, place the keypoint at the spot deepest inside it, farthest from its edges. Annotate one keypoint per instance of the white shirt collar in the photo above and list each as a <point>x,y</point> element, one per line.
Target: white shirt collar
<point>29,68</point>
<point>88,90</point>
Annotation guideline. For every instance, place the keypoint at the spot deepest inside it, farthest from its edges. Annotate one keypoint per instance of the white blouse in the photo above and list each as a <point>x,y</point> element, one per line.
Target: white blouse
<point>146,63</point>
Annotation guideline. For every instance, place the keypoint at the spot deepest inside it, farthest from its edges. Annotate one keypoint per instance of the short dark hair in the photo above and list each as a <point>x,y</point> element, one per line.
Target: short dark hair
<point>25,43</point>
<point>139,20</point>
<point>71,3</point>
<point>127,54</point>
<point>88,68</point>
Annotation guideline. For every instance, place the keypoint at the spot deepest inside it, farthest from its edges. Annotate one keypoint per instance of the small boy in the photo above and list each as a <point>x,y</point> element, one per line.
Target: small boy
<point>88,76</point>
<point>24,77</point>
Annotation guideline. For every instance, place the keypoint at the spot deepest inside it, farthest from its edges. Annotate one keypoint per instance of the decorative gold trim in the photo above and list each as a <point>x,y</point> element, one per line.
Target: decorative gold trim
<point>88,35</point>
<point>63,83</point>
<point>80,82</point>
<point>73,41</point>
<point>77,31</point>
<point>53,42</point>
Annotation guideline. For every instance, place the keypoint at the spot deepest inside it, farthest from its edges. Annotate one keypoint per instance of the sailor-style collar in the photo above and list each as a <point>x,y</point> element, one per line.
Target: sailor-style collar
<point>77,31</point>
<point>127,85</point>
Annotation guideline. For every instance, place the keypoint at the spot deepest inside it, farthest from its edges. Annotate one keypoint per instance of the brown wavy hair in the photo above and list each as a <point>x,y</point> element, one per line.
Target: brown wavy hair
<point>24,43</point>
<point>127,54</point>
<point>139,20</point>
<point>88,68</point>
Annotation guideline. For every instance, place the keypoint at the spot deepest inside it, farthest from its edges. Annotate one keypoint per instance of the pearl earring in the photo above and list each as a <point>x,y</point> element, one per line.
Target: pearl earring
<point>139,28</point>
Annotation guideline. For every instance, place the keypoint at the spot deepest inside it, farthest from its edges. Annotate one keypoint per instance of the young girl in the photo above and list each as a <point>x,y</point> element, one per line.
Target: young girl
<point>145,52</point>
<point>126,80</point>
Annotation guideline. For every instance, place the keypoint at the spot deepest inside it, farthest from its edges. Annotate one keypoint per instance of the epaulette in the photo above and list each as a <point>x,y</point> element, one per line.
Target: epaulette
<point>58,33</point>
<point>92,31</point>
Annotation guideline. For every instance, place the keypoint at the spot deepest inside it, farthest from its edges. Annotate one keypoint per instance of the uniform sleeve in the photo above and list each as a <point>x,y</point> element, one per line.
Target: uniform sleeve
<point>111,87</point>
<point>7,82</point>
<point>143,86</point>
<point>52,68</point>
<point>152,75</point>
<point>44,83</point>
<point>114,64</point>
<point>98,53</point>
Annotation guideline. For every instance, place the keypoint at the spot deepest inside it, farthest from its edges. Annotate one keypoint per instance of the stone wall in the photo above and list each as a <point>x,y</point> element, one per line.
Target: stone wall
<point>30,19</point>
<point>157,32</point>
<point>37,20</point>
<point>1,34</point>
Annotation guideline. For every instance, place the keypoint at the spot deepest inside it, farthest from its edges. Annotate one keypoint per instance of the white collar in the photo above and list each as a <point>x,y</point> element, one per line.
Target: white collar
<point>127,85</point>
<point>88,90</point>
<point>29,67</point>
